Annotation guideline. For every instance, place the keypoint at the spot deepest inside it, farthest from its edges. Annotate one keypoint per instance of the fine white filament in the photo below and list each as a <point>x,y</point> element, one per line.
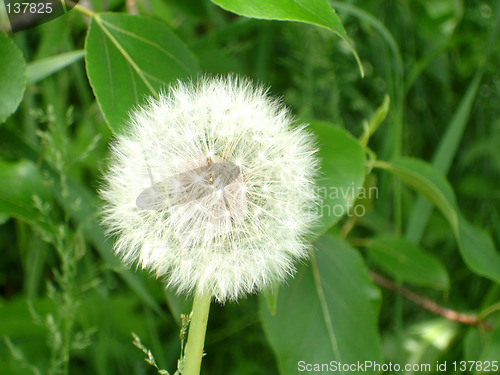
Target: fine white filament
<point>212,188</point>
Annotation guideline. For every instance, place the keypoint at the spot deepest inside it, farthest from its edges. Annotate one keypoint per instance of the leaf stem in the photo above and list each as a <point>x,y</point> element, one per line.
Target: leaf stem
<point>381,164</point>
<point>84,10</point>
<point>196,336</point>
<point>489,310</point>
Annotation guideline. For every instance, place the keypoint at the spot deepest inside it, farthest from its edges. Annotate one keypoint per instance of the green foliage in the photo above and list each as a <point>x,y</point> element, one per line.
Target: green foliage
<point>129,58</point>
<point>316,12</point>
<point>428,182</point>
<point>327,302</point>
<point>38,70</point>
<point>476,247</point>
<point>406,262</point>
<point>422,129</point>
<point>341,173</point>
<point>12,77</point>
<point>22,183</point>
<point>444,155</point>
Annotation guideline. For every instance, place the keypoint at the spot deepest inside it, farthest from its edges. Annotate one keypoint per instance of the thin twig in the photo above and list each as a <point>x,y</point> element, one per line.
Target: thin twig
<point>79,8</point>
<point>430,305</point>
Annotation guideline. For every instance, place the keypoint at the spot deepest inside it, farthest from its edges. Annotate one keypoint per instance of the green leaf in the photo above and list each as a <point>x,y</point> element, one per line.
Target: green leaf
<point>271,296</point>
<point>40,69</point>
<point>327,313</point>
<point>407,262</point>
<point>342,172</point>
<point>12,77</point>
<point>377,118</point>
<point>426,180</point>
<point>21,181</point>
<point>476,246</point>
<point>316,12</point>
<point>130,58</point>
<point>478,251</point>
<point>483,346</point>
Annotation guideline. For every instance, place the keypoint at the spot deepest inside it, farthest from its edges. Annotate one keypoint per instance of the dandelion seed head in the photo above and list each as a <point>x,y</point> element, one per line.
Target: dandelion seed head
<point>212,188</point>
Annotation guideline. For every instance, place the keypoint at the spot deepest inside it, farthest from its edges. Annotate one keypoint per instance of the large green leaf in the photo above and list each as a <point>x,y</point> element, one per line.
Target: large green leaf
<point>327,313</point>
<point>130,58</point>
<point>12,77</point>
<point>316,12</point>
<point>407,262</point>
<point>476,247</point>
<point>342,173</point>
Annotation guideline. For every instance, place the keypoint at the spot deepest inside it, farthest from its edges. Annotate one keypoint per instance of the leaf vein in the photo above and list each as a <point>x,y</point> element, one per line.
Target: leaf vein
<point>146,41</point>
<point>117,44</point>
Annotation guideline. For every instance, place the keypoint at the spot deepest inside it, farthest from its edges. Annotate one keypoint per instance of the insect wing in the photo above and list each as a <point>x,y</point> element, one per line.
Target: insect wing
<point>153,198</point>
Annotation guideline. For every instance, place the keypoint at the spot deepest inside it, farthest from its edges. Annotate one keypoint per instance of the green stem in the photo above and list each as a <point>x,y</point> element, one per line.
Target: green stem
<point>85,11</point>
<point>196,336</point>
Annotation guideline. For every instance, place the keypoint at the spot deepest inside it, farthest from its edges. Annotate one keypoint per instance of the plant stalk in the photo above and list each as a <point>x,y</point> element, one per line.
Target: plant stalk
<point>196,335</point>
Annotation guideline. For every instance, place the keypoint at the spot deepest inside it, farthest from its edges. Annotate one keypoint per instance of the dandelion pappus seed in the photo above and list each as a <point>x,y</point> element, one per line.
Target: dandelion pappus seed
<point>227,202</point>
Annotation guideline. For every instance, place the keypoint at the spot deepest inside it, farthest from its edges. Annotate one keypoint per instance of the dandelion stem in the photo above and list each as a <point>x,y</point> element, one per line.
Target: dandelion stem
<point>196,336</point>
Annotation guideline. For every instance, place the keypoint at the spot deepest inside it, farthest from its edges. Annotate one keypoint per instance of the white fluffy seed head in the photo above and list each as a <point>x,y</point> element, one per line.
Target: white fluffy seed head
<point>212,188</point>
